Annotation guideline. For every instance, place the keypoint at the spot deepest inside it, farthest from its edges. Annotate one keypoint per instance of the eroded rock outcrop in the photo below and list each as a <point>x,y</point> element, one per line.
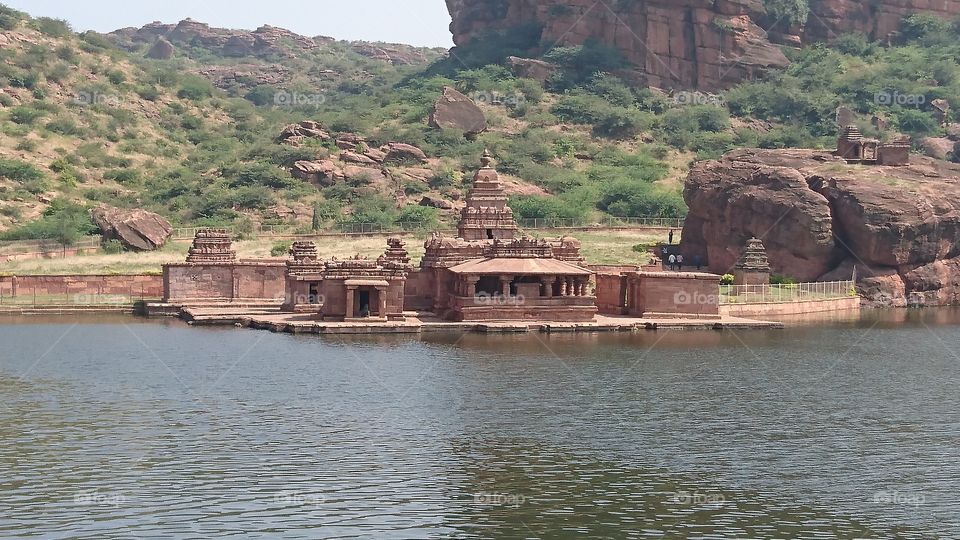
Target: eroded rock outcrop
<point>453,110</point>
<point>703,44</point>
<point>819,217</point>
<point>136,229</point>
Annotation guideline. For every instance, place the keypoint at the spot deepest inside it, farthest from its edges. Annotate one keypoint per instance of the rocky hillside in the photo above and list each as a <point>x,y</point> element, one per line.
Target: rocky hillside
<point>701,44</point>
<point>819,217</point>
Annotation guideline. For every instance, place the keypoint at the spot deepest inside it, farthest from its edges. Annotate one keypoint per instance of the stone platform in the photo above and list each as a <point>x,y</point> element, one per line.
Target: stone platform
<point>420,322</point>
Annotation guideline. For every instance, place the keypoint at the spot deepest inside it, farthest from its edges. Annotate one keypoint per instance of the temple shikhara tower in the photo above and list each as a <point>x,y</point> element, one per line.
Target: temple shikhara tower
<point>487,216</point>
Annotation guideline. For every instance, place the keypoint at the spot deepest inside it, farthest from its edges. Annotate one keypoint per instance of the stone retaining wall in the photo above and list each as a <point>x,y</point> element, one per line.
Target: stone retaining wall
<point>137,285</point>
<point>245,280</point>
<point>790,308</point>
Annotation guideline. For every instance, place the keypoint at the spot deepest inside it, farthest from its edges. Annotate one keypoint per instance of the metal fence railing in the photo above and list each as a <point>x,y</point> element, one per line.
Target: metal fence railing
<point>605,222</point>
<point>352,227</point>
<point>793,292</point>
<point>45,245</point>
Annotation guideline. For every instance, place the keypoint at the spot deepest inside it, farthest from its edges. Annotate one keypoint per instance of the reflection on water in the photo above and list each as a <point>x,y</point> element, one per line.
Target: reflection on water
<point>117,427</point>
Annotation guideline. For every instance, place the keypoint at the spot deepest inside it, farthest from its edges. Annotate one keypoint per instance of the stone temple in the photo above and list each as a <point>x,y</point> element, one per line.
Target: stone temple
<point>488,271</point>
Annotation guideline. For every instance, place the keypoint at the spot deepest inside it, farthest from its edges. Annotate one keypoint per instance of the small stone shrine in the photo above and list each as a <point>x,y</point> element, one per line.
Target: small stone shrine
<point>752,268</point>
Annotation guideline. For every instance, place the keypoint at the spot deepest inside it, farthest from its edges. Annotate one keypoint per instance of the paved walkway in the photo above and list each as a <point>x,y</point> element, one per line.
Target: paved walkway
<point>273,320</point>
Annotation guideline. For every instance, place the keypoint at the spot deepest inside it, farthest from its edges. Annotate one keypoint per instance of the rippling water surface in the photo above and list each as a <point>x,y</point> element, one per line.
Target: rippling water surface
<point>119,428</point>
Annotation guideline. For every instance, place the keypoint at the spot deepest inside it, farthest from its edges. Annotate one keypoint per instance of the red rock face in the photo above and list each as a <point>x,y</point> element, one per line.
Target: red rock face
<point>820,217</point>
<point>705,44</point>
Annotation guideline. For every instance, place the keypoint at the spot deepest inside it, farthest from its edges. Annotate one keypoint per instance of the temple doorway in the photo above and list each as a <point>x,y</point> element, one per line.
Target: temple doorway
<point>363,303</point>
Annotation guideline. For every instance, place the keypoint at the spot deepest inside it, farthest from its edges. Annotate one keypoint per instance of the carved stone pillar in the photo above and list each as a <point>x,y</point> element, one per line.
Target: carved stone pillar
<point>472,285</point>
<point>505,283</point>
<point>382,297</point>
<point>548,286</point>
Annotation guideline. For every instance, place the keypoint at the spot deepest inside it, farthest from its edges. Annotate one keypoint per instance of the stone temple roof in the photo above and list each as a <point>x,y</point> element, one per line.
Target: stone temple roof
<point>520,267</point>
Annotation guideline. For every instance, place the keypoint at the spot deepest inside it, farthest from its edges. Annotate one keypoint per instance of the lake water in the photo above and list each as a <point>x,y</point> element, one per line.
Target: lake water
<point>120,427</point>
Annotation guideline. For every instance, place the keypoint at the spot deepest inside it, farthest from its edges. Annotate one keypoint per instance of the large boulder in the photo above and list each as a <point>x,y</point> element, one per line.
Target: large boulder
<point>819,217</point>
<point>136,229</point>
<point>321,173</point>
<point>161,50</point>
<point>456,111</point>
<point>731,202</point>
<point>402,152</point>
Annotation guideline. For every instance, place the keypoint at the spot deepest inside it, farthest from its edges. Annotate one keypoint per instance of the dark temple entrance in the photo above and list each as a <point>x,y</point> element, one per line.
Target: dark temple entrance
<point>363,301</point>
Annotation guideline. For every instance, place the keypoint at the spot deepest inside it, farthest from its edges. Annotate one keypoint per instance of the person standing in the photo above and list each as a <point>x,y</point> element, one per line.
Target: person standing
<point>698,261</point>
<point>680,262</point>
<point>670,237</point>
<point>673,261</point>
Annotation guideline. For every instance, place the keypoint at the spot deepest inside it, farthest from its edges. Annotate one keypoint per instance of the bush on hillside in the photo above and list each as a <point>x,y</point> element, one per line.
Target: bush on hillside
<point>57,28</point>
<point>10,18</point>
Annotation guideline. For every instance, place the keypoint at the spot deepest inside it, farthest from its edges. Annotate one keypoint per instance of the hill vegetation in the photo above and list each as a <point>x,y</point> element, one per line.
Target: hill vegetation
<point>87,119</point>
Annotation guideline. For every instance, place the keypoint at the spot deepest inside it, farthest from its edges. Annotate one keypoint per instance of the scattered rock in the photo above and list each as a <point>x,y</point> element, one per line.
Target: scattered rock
<point>321,173</point>
<point>136,229</point>
<point>398,55</point>
<point>416,174</point>
<point>402,152</point>
<point>353,157</point>
<point>295,134</point>
<point>937,147</point>
<point>161,50</point>
<point>530,68</point>
<point>436,202</point>
<point>376,155</point>
<point>356,172</point>
<point>456,111</point>
<point>350,141</point>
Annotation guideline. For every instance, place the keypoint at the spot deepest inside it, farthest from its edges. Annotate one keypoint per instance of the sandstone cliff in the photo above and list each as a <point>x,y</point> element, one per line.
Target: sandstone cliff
<point>706,44</point>
<point>819,217</point>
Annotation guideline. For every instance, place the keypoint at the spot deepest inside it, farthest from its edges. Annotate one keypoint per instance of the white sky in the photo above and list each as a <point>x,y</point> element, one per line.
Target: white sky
<point>415,22</point>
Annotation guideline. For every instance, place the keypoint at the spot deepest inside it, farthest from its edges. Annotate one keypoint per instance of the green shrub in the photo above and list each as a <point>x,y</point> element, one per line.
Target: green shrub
<point>422,216</point>
<point>112,247</point>
<point>194,88</point>
<point>123,176</point>
<point>68,54</point>
<point>788,12</point>
<point>727,279</point>
<point>630,199</point>
<point>18,171</point>
<point>148,92</point>
<point>280,249</point>
<point>63,221</point>
<point>25,115</point>
<point>64,126</point>
<point>10,18</point>
<point>777,279</point>
<point>116,77</point>
<point>58,28</point>
<point>543,207</point>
